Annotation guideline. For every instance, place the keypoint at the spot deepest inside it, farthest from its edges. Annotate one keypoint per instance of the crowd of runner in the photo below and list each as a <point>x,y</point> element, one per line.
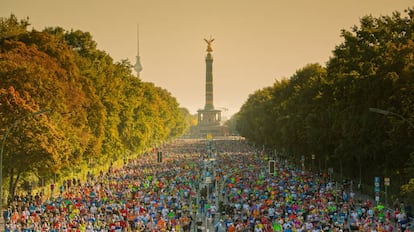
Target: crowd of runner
<point>174,195</point>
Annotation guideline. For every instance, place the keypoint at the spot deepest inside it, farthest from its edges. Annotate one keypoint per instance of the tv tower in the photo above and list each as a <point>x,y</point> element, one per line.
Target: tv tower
<point>138,66</point>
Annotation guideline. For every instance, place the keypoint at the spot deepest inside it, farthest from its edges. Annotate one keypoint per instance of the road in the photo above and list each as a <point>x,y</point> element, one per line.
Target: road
<point>218,183</point>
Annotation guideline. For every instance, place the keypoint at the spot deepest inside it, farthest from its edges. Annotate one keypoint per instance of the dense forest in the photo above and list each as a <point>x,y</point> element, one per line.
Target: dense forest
<point>65,104</point>
<point>353,116</point>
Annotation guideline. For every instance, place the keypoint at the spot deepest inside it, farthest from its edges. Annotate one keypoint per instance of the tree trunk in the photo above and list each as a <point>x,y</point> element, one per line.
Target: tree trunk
<point>12,184</point>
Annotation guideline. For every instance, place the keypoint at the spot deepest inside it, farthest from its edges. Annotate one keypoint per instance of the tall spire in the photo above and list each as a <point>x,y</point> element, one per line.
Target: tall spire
<point>209,76</point>
<point>138,66</point>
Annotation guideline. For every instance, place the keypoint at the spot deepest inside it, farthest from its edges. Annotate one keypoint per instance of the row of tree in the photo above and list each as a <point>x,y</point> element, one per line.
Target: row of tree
<point>321,114</point>
<point>92,107</point>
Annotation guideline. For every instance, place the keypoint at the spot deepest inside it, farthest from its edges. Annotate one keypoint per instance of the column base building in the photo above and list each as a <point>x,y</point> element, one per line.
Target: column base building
<point>209,124</point>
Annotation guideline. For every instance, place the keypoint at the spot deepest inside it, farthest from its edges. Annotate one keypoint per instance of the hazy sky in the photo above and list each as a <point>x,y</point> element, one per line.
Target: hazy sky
<point>256,41</point>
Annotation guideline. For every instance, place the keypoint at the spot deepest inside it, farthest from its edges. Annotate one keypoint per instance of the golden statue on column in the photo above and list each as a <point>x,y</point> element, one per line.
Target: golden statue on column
<point>209,41</point>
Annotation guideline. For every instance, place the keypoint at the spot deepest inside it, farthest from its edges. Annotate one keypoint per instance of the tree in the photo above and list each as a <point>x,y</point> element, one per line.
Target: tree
<point>325,111</point>
<point>252,122</point>
<point>11,27</point>
<point>368,70</point>
<point>99,110</point>
<point>32,142</point>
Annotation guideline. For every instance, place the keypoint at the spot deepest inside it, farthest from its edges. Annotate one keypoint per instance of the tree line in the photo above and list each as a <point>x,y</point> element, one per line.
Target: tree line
<point>93,109</point>
<point>321,114</point>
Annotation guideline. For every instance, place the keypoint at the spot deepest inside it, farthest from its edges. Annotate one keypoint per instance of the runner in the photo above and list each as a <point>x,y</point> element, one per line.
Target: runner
<point>238,195</point>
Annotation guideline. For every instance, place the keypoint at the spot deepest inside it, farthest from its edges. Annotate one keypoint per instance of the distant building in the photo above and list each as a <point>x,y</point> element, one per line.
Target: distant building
<point>138,65</point>
<point>209,119</point>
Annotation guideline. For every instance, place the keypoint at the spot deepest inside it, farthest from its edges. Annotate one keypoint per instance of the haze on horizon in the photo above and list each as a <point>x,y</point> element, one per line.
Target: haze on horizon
<point>256,42</point>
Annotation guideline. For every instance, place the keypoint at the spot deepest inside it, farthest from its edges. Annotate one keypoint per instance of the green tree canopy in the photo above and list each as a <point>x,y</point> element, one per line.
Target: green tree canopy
<point>325,111</point>
<point>98,109</point>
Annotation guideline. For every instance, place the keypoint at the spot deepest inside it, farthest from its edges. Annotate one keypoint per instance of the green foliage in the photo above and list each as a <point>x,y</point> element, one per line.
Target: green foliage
<point>408,190</point>
<point>11,26</point>
<point>99,111</point>
<point>35,144</point>
<point>324,111</point>
<point>252,123</point>
<point>232,124</point>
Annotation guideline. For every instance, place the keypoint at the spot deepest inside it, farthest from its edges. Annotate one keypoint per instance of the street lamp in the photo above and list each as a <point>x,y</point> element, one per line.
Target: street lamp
<point>386,112</point>
<point>2,149</point>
